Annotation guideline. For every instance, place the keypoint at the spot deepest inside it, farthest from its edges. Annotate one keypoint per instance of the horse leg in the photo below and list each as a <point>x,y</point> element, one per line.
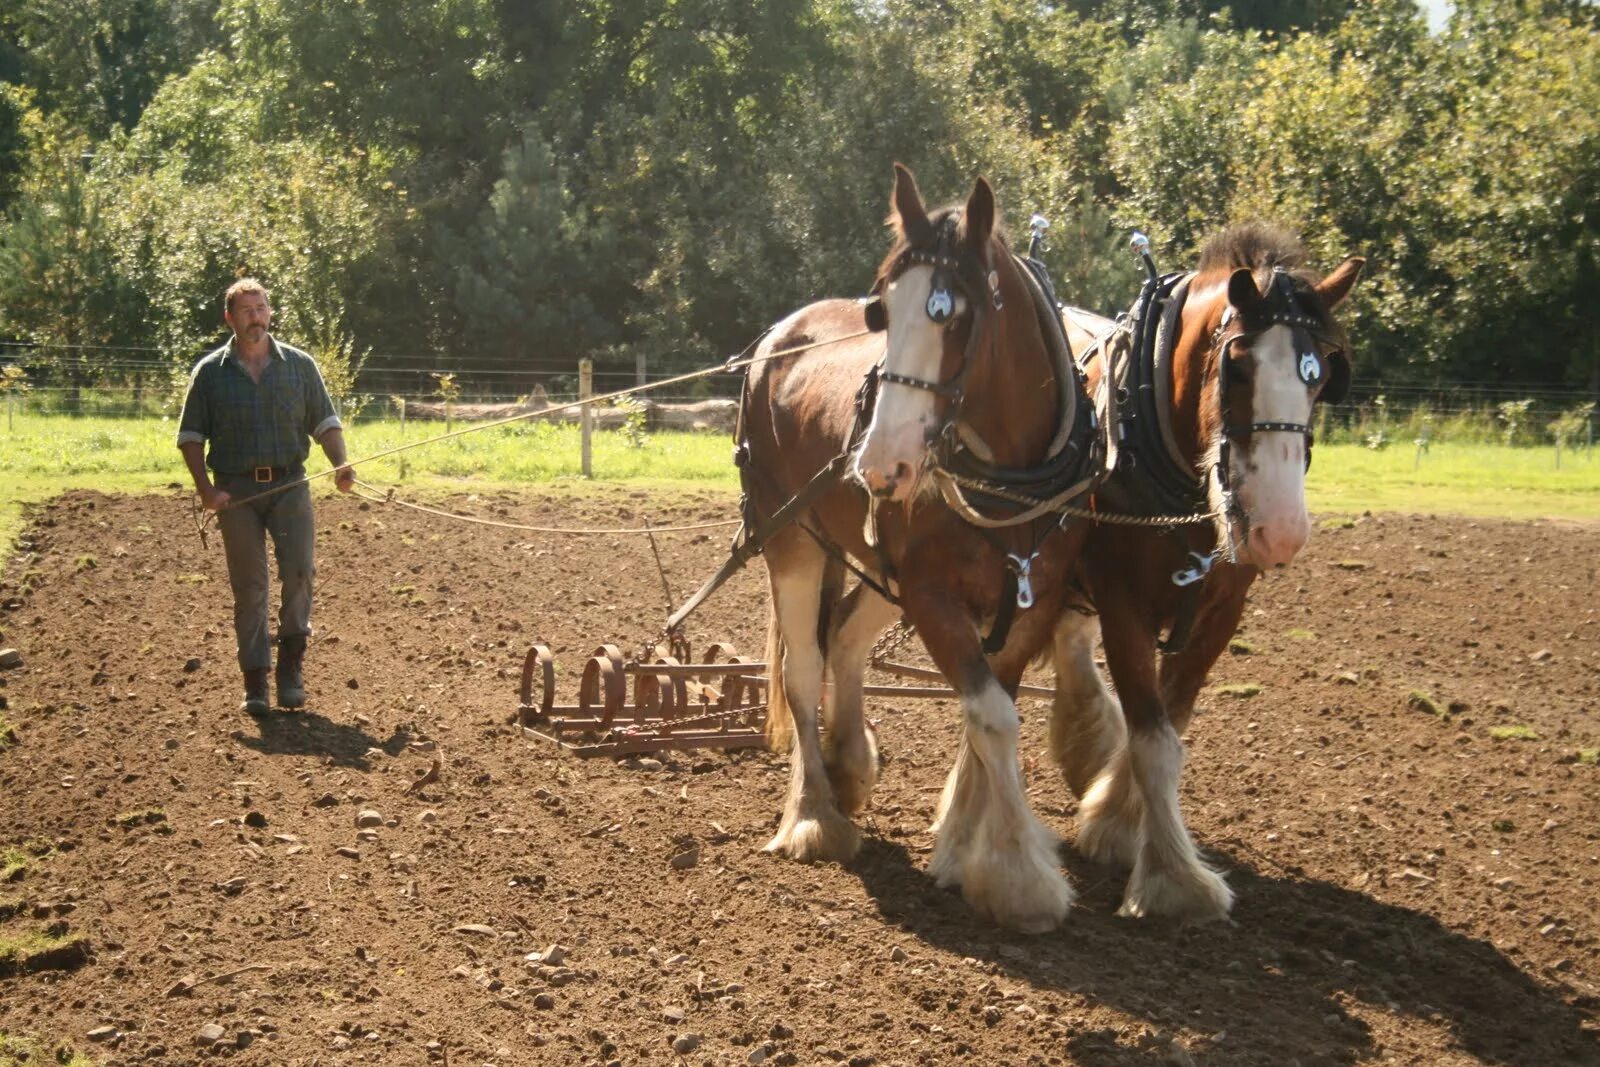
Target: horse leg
<point>812,827</point>
<point>1086,728</point>
<point>849,749</point>
<point>989,841</point>
<point>1168,876</point>
<point>1184,674</point>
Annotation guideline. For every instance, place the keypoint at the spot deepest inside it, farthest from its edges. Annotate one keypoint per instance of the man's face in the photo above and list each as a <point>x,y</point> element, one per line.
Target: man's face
<point>249,317</point>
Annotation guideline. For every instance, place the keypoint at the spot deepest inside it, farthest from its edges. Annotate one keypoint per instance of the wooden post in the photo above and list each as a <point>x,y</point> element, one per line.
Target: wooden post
<point>585,415</point>
<point>638,368</point>
<point>402,403</point>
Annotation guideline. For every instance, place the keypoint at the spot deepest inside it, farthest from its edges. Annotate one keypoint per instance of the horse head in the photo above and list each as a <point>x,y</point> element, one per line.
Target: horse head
<point>1263,330</point>
<point>932,295</point>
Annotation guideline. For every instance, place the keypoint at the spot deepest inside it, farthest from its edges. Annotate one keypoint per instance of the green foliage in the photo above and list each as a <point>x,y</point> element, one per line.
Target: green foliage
<point>528,184</point>
<point>1516,732</point>
<point>1514,415</point>
<point>1419,700</point>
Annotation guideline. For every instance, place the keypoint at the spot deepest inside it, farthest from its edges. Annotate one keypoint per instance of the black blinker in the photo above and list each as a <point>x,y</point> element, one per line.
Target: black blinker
<point>876,315</point>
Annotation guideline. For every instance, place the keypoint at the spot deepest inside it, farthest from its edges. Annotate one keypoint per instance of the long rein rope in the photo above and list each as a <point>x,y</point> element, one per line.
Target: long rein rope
<point>721,368</point>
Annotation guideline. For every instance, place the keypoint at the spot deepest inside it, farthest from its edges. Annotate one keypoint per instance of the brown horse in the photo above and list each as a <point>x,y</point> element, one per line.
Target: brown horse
<point>1253,348</point>
<point>963,358</point>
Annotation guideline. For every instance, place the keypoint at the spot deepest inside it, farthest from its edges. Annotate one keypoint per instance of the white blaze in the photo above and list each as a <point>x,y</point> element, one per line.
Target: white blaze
<point>1270,465</point>
<point>896,440</point>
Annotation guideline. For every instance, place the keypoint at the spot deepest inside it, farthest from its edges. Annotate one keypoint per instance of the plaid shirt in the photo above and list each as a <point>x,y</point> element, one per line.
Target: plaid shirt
<point>250,425</point>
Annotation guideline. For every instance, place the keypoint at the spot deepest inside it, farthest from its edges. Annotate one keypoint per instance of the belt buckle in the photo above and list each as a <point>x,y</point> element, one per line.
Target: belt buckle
<point>262,474</point>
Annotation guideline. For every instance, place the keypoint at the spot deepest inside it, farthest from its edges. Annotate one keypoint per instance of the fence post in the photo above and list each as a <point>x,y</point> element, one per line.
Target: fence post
<point>638,368</point>
<point>402,402</point>
<point>585,415</point>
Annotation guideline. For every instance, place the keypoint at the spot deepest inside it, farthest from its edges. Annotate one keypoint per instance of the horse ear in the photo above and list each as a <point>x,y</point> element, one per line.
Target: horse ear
<point>1242,291</point>
<point>980,214</point>
<point>1336,286</point>
<point>907,213</point>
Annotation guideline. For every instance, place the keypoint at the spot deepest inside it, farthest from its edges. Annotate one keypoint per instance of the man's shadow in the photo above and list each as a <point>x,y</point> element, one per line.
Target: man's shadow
<point>1281,979</point>
<point>306,733</point>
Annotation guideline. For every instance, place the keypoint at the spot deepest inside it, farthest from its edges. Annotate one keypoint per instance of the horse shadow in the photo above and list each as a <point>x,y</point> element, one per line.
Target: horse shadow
<point>310,734</point>
<point>1289,979</point>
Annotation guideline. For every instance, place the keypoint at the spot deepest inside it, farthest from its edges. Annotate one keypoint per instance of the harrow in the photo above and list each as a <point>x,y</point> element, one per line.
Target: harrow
<point>676,703</point>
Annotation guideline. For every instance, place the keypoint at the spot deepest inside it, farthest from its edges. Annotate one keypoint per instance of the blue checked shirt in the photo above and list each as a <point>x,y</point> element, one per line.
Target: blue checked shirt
<point>250,425</point>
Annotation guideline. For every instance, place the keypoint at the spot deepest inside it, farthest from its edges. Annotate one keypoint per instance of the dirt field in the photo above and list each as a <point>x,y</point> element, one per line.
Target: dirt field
<point>1411,888</point>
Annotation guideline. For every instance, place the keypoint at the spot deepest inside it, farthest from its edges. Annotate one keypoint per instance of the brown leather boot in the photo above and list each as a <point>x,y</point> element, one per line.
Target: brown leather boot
<point>256,700</point>
<point>291,686</point>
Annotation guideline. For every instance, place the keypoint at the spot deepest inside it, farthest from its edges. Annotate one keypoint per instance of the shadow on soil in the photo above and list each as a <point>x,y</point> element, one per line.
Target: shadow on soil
<point>310,734</point>
<point>1280,979</point>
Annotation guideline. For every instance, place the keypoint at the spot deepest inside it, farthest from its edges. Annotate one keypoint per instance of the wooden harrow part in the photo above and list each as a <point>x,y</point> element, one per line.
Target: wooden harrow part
<point>676,703</point>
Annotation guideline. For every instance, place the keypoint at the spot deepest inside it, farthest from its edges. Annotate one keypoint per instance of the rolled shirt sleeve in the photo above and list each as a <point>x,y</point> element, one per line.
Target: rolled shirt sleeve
<point>194,424</point>
<point>320,416</point>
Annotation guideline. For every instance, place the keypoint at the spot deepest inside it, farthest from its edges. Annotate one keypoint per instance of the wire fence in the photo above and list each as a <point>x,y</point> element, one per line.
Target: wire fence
<point>140,382</point>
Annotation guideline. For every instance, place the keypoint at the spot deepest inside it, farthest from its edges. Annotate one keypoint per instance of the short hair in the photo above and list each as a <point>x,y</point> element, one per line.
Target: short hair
<point>245,285</point>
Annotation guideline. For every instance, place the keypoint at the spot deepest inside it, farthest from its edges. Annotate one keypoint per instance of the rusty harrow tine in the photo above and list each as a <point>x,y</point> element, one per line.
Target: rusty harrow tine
<point>677,703</point>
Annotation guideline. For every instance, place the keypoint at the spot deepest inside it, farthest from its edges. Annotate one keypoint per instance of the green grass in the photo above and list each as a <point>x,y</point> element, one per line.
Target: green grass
<point>19,1051</point>
<point>134,818</point>
<point>1513,733</point>
<point>46,455</point>
<point>14,863</point>
<point>8,733</point>
<point>17,948</point>
<point>1240,690</point>
<point>1455,479</point>
<point>1589,757</point>
<point>1417,700</point>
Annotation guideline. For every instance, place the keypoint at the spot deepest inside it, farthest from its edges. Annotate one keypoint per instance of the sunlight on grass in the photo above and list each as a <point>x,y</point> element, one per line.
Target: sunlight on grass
<point>1455,479</point>
<point>47,455</point>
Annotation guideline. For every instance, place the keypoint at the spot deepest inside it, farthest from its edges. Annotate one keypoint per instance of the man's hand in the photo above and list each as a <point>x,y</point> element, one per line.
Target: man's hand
<point>345,478</point>
<point>214,499</point>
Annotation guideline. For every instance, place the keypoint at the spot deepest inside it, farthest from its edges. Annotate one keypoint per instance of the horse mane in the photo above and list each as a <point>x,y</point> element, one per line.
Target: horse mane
<point>1257,245</point>
<point>1260,246</point>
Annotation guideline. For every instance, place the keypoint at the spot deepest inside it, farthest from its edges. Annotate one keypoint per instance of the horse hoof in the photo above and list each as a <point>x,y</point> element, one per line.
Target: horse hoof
<point>830,840</point>
<point>1108,840</point>
<point>1199,895</point>
<point>1037,908</point>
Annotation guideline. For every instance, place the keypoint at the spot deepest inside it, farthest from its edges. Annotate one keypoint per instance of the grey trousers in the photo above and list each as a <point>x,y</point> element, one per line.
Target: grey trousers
<point>287,517</point>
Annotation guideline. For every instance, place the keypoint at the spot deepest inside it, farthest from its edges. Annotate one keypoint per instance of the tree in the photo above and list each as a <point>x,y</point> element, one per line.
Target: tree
<point>533,277</point>
<point>59,283</point>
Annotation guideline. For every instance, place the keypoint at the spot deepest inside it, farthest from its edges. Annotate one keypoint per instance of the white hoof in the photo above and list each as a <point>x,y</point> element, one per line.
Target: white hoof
<point>829,839</point>
<point>1111,822</point>
<point>1019,887</point>
<point>1197,893</point>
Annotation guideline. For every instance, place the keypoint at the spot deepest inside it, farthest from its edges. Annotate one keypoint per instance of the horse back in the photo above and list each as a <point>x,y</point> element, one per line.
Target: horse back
<point>800,408</point>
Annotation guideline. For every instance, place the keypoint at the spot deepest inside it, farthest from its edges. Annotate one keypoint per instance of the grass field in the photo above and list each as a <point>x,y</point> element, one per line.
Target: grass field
<point>46,455</point>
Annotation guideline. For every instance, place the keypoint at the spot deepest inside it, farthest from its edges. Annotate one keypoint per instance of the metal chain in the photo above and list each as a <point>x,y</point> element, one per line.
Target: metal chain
<point>890,642</point>
<point>1107,517</point>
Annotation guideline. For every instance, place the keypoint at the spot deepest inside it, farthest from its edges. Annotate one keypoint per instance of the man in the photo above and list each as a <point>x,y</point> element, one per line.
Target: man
<point>257,401</point>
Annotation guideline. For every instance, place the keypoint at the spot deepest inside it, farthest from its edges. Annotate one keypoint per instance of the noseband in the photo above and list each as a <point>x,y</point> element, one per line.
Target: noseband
<point>1282,310</point>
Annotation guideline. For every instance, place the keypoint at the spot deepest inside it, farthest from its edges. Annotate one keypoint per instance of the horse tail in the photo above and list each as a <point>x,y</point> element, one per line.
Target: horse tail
<point>780,719</point>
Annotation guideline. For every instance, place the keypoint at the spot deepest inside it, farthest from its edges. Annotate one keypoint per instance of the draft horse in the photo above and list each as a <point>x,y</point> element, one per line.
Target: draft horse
<point>963,363</point>
<point>1217,408</point>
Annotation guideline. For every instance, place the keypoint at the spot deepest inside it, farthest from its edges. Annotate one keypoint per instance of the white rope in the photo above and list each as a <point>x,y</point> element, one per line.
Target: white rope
<point>379,496</point>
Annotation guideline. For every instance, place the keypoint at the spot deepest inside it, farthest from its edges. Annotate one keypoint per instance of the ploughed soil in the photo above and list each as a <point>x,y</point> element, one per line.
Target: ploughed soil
<point>1395,769</point>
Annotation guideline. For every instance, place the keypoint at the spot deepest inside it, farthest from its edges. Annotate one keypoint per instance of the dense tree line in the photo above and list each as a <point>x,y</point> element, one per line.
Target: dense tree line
<point>497,181</point>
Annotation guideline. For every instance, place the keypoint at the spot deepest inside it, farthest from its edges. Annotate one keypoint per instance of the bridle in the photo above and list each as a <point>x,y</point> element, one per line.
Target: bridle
<point>954,268</point>
<point>1283,309</point>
